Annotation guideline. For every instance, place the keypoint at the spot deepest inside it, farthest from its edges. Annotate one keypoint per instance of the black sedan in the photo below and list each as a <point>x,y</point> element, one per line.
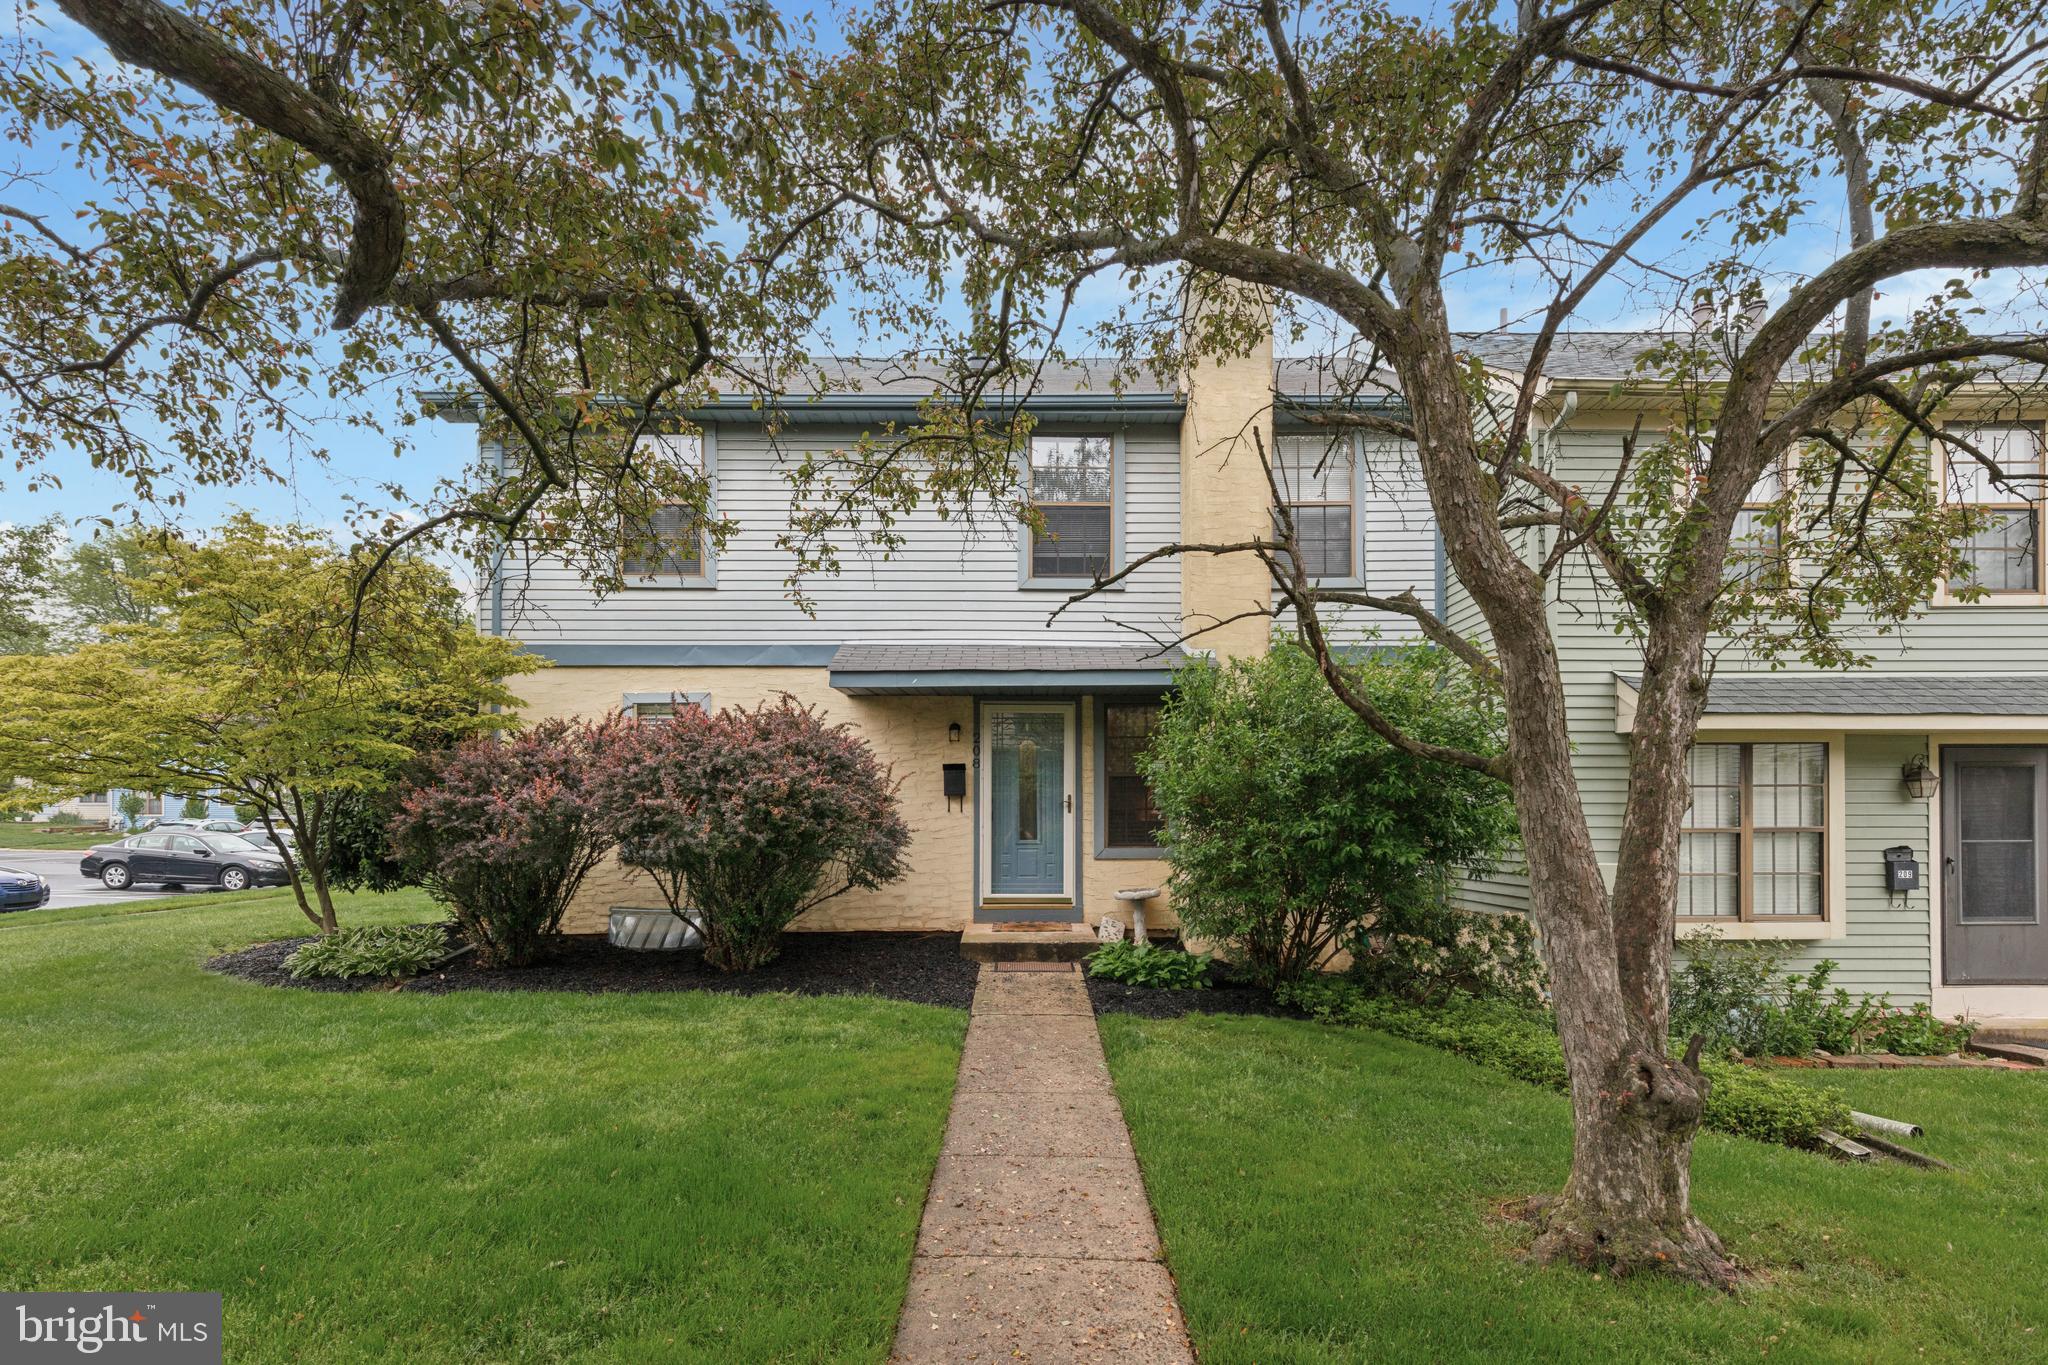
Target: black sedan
<point>175,859</point>
<point>21,890</point>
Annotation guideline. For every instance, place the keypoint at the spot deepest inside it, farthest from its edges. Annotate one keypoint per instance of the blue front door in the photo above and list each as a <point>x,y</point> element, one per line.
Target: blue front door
<point>1028,802</point>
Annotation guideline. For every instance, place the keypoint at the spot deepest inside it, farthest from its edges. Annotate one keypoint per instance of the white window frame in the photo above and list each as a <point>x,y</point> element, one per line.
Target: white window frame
<point>2001,597</point>
<point>706,442</point>
<point>1026,537</point>
<point>1356,448</point>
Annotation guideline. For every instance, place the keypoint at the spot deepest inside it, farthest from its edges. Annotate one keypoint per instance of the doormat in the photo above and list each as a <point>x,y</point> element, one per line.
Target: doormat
<point>1035,926</point>
<point>1034,966</point>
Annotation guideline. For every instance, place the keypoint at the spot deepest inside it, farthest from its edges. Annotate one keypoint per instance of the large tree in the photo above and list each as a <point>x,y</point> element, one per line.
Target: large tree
<point>267,222</point>
<point>247,683</point>
<point>1355,167</point>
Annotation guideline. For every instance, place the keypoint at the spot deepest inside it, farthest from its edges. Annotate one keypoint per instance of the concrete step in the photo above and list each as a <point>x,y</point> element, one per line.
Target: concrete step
<point>2033,1054</point>
<point>991,943</point>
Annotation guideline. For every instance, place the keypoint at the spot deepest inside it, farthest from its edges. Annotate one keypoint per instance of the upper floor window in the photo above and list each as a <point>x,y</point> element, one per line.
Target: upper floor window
<point>669,547</point>
<point>2004,556</point>
<point>1756,549</point>
<point>1316,477</point>
<point>1073,488</point>
<point>669,543</point>
<point>1755,835</point>
<point>1130,819</point>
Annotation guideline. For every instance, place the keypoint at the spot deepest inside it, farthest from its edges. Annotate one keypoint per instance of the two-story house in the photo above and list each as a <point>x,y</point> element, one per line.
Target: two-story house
<point>1893,818</point>
<point>1015,736</point>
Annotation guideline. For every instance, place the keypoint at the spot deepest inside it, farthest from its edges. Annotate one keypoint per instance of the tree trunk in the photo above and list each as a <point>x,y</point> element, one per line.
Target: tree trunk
<point>1627,1204</point>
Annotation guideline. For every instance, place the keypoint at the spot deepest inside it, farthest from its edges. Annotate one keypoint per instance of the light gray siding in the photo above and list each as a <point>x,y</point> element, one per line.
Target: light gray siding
<point>1887,943</point>
<point>1398,546</point>
<point>954,579</point>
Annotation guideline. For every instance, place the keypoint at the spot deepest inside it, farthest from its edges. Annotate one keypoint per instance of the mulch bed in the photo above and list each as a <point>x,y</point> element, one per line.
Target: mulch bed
<point>925,969</point>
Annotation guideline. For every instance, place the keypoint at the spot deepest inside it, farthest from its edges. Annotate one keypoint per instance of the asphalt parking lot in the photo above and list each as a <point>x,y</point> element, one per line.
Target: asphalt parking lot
<point>59,867</point>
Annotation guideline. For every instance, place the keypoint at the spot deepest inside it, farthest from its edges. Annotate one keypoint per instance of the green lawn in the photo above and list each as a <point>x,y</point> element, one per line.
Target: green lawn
<point>1326,1195</point>
<point>472,1177</point>
<point>37,838</point>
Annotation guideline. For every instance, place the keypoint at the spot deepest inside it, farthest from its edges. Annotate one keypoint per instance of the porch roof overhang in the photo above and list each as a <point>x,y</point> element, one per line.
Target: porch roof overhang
<point>862,670</point>
<point>1867,703</point>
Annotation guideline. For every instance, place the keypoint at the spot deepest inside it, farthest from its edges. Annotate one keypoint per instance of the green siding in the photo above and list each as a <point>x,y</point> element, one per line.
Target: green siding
<point>1887,947</point>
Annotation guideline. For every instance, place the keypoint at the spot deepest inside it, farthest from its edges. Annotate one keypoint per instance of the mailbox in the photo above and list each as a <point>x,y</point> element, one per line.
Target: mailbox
<point>1901,869</point>
<point>956,779</point>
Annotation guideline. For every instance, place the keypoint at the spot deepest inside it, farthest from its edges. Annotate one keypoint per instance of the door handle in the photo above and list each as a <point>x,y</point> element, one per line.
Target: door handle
<point>1070,803</point>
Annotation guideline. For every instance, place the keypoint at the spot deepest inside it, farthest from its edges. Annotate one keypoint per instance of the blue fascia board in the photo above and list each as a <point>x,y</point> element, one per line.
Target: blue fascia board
<point>1129,409</point>
<point>687,656</point>
<point>997,680</point>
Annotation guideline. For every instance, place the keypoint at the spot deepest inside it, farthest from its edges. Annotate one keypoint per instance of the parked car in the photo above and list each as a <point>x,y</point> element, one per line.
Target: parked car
<point>221,826</point>
<point>22,890</point>
<point>166,823</point>
<point>179,859</point>
<point>264,840</point>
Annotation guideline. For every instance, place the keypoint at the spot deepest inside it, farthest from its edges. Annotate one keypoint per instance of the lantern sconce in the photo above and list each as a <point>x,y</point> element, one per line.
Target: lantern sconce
<point>953,733</point>
<point>1920,779</point>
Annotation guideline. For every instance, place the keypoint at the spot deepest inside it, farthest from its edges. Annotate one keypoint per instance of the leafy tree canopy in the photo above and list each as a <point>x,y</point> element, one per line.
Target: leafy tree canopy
<point>247,684</point>
<point>293,212</point>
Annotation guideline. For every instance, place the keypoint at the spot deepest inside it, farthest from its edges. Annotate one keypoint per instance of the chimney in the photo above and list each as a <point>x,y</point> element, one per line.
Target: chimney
<point>1702,313</point>
<point>1223,492</point>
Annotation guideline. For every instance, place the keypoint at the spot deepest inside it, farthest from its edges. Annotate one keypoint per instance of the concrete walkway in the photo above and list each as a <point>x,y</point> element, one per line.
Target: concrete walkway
<point>1038,1244</point>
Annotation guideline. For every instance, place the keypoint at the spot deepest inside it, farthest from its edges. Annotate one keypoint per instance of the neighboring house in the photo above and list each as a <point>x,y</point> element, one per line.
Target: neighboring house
<point>942,655</point>
<point>105,808</point>
<point>1803,779</point>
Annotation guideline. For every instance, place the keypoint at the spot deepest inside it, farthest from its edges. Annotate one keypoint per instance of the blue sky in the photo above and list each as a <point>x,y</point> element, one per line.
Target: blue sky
<point>317,493</point>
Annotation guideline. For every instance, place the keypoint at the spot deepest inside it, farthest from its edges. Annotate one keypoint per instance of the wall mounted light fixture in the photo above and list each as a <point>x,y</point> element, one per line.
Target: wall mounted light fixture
<point>953,733</point>
<point>1920,779</point>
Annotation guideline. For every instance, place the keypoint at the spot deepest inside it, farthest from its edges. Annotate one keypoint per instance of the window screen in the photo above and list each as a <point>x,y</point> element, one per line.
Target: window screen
<point>1315,475</point>
<point>1130,819</point>
<point>1073,487</point>
<point>667,544</point>
<point>2004,554</point>
<point>1996,855</point>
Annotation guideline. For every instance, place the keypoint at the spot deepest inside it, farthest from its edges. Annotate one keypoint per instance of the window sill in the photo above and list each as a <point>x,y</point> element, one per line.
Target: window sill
<point>677,585</point>
<point>1750,931</point>
<point>1992,602</point>
<point>1149,855</point>
<point>1064,585</point>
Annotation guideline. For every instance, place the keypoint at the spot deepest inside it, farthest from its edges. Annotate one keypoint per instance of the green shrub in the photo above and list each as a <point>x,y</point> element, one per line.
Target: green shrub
<point>194,808</point>
<point>1432,952</point>
<point>1141,964</point>
<point>1294,830</point>
<point>1523,1043</point>
<point>1733,996</point>
<point>372,950</point>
